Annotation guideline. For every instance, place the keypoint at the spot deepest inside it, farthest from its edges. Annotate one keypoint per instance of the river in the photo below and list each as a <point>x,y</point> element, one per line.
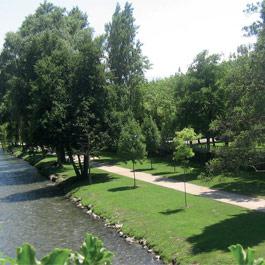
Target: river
<point>33,210</point>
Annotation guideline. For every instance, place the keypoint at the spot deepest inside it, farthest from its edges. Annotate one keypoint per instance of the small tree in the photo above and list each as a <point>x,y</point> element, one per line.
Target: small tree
<point>183,151</point>
<point>131,144</point>
<point>152,137</point>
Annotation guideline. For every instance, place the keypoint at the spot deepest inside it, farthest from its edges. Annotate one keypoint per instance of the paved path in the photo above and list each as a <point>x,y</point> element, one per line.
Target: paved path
<point>222,196</point>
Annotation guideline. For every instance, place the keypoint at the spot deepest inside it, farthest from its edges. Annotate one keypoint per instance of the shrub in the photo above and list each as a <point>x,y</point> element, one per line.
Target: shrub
<point>243,257</point>
<point>91,252</point>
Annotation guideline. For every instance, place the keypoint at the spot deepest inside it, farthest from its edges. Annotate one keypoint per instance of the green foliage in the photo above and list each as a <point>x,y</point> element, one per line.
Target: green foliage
<point>245,258</point>
<point>152,135</point>
<point>57,256</point>
<point>131,144</point>
<point>181,141</point>
<point>53,64</point>
<point>243,122</point>
<point>215,167</point>
<point>183,151</point>
<point>199,94</point>
<point>125,59</point>
<point>26,255</point>
<point>92,252</point>
<point>158,99</point>
<point>125,62</point>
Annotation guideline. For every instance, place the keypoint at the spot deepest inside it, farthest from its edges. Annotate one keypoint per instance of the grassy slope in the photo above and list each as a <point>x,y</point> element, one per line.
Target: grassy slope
<point>200,233</point>
<point>249,183</point>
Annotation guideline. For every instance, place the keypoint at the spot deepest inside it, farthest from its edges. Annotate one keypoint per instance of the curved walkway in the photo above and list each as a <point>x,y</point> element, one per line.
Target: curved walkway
<point>250,203</point>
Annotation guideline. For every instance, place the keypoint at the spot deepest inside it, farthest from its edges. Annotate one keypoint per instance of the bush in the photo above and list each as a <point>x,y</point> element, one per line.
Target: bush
<point>91,252</point>
<point>245,258</point>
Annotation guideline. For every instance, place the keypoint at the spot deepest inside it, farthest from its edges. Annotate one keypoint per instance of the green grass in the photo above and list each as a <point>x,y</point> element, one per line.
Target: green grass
<point>248,183</point>
<point>199,234</point>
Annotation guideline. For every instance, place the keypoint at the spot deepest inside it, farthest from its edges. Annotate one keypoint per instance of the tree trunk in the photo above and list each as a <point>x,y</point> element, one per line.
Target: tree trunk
<point>151,161</point>
<point>43,150</point>
<point>63,154</point>
<point>185,191</point>
<point>213,141</point>
<point>60,153</point>
<point>70,154</point>
<point>89,169</point>
<point>208,144</point>
<point>80,165</point>
<point>134,179</point>
<point>86,173</point>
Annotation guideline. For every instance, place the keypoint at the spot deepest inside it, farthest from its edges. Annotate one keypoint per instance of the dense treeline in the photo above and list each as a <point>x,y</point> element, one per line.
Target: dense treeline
<point>65,90</point>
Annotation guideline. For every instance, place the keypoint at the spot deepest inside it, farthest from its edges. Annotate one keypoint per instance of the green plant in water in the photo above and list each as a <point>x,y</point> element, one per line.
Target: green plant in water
<point>245,257</point>
<point>92,252</point>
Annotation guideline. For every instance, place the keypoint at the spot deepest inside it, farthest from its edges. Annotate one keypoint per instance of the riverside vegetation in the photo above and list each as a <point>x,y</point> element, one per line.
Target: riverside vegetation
<point>167,226</point>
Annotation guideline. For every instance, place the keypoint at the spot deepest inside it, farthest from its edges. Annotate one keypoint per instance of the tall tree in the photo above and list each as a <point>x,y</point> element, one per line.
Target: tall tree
<point>125,60</point>
<point>86,117</point>
<point>53,64</point>
<point>126,66</point>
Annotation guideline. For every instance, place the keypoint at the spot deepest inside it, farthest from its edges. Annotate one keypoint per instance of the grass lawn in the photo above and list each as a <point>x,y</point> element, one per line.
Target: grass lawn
<point>199,234</point>
<point>249,183</point>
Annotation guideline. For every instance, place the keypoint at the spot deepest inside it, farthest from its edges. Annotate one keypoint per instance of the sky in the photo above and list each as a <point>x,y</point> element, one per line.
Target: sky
<point>173,32</point>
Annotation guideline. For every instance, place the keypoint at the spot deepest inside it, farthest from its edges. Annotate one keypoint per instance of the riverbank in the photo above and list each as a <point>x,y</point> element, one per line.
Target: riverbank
<point>199,234</point>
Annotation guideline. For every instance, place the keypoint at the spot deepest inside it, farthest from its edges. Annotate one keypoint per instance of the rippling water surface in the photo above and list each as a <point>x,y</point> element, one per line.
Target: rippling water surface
<point>34,211</point>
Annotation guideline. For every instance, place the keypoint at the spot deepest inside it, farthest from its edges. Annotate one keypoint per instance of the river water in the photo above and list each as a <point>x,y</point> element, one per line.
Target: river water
<point>33,210</point>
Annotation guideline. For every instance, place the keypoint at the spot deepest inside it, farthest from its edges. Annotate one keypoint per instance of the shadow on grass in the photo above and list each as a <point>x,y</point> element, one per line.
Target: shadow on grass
<point>246,229</point>
<point>164,173</point>
<point>73,183</point>
<point>143,169</point>
<point>123,188</point>
<point>48,168</point>
<point>34,159</point>
<point>170,212</point>
<point>253,185</point>
<point>106,161</point>
<point>180,177</point>
<point>69,185</point>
